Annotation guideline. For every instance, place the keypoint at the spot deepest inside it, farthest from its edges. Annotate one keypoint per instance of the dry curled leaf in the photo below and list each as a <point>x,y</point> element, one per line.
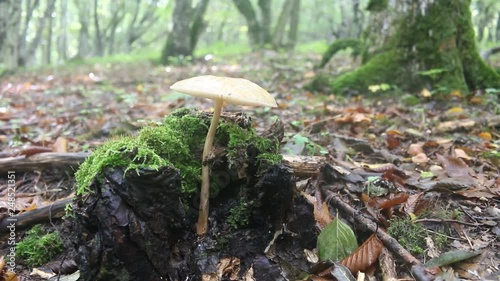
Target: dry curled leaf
<point>365,255</point>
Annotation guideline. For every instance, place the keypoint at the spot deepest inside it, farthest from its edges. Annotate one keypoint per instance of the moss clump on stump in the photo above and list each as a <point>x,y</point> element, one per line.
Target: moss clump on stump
<point>178,142</point>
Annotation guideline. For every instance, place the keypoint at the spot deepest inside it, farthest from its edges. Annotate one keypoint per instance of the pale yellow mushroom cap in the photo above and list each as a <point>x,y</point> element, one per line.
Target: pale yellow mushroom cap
<point>232,90</point>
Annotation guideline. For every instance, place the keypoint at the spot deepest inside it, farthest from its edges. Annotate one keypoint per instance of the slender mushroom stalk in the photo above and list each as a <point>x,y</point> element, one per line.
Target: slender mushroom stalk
<point>230,90</point>
<point>202,225</point>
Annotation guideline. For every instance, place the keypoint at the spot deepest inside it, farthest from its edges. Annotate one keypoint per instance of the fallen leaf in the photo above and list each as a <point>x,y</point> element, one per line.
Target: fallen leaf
<point>336,241</point>
<point>451,257</point>
<point>365,255</point>
<point>486,136</point>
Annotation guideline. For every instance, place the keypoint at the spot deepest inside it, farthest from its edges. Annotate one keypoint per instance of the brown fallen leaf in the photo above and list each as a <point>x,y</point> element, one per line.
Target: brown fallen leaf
<point>365,255</point>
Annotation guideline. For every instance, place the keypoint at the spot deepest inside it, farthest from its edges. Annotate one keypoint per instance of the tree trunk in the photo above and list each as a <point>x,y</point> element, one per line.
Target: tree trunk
<point>62,40</point>
<point>26,56</point>
<point>254,28</point>
<point>11,17</point>
<point>280,28</point>
<point>98,38</point>
<point>294,25</point>
<point>48,42</point>
<point>117,17</point>
<point>266,20</point>
<point>178,41</point>
<point>83,34</point>
<point>199,24</point>
<point>497,35</point>
<point>431,45</point>
<point>22,38</point>
<point>4,17</point>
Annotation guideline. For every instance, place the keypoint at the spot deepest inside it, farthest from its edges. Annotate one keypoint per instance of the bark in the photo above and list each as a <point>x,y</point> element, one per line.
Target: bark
<point>137,27</point>
<point>30,50</point>
<point>421,44</point>
<point>199,24</point>
<point>4,16</point>
<point>497,35</point>
<point>10,45</point>
<point>280,28</point>
<point>266,19</point>
<point>62,40</point>
<point>178,42</point>
<point>98,38</point>
<point>48,44</point>
<point>30,7</point>
<point>188,25</point>
<point>83,35</point>
<point>117,17</point>
<point>254,29</point>
<point>294,24</point>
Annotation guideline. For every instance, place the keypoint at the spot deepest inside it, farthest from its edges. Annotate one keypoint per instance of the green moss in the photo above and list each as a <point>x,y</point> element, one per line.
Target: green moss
<point>382,68</point>
<point>125,152</point>
<point>39,247</point>
<point>409,234</point>
<point>355,44</point>
<point>177,141</point>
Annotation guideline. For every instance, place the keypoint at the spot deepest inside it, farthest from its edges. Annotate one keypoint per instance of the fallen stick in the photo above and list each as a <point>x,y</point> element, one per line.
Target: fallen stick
<point>29,218</point>
<point>303,166</point>
<point>392,244</point>
<point>42,161</point>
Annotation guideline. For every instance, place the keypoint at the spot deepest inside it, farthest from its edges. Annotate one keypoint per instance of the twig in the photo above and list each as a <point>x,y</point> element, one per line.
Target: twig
<point>392,244</point>
<point>447,220</point>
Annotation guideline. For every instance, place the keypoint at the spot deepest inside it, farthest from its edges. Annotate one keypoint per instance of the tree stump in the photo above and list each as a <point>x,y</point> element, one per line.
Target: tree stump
<point>138,225</point>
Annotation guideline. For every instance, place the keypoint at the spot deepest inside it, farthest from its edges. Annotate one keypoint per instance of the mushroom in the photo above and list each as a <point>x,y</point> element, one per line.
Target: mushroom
<point>219,89</point>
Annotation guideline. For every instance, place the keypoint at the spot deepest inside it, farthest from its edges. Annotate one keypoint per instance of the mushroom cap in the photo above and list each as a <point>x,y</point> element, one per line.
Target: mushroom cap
<point>232,90</point>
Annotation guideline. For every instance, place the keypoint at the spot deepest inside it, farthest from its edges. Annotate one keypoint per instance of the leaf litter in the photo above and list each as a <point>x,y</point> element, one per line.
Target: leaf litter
<point>445,154</point>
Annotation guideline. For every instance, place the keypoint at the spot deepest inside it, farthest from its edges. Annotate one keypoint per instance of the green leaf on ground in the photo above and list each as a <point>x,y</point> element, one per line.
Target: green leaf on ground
<point>336,241</point>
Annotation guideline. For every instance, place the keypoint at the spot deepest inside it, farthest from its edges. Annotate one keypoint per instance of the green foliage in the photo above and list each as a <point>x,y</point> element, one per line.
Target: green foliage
<point>409,234</point>
<point>39,247</point>
<point>336,241</point>
<point>239,216</point>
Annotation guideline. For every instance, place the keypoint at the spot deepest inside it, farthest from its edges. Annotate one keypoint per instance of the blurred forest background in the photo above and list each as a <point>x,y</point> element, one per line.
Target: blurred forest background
<point>55,32</point>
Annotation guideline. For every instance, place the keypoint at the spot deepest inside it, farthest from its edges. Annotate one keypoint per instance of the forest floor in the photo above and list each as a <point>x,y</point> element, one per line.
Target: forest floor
<point>438,158</point>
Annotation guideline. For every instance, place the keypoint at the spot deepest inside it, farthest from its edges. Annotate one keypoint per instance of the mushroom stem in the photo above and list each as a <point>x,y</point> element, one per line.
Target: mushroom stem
<point>202,225</point>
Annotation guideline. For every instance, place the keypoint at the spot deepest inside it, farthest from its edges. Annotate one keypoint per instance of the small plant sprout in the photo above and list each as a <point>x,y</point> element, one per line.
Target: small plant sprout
<point>219,89</point>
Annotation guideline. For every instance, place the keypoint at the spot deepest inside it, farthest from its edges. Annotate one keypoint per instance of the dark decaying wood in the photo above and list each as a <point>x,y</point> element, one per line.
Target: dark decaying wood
<point>137,227</point>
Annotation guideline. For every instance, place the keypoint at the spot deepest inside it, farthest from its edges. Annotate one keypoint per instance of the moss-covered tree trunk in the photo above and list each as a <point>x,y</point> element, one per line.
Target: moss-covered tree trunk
<point>429,43</point>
